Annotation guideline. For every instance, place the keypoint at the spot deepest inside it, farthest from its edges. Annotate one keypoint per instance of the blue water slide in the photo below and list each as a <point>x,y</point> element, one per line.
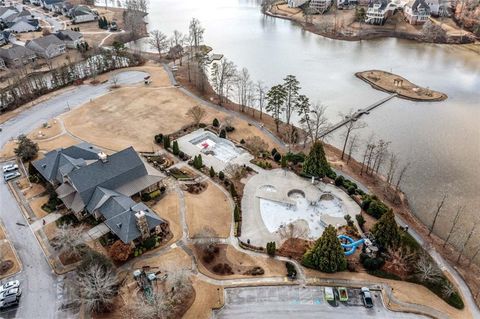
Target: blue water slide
<point>352,244</point>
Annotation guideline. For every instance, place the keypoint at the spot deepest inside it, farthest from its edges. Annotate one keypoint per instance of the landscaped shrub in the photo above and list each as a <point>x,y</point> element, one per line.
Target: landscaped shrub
<point>351,190</point>
<point>229,129</point>
<point>166,142</point>
<point>175,148</point>
<point>215,122</point>
<point>331,174</point>
<point>202,125</point>
<point>236,214</point>
<point>156,193</point>
<point>150,242</point>
<point>295,158</point>
<point>221,175</point>
<point>145,197</point>
<point>360,220</point>
<point>159,138</point>
<point>223,269</point>
<point>373,206</point>
<point>271,248</point>
<point>291,270</point>
<point>120,251</point>
<point>274,151</point>
<point>339,181</point>
<point>223,133</point>
<point>242,141</point>
<point>255,271</point>
<point>212,172</point>
<point>277,157</point>
<point>371,263</point>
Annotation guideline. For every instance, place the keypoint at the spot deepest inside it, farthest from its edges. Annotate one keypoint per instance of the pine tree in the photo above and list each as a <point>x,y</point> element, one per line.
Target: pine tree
<point>316,163</point>
<point>223,133</point>
<point>175,148</point>
<point>327,254</point>
<point>386,231</point>
<point>215,122</point>
<point>200,161</point>
<point>166,142</point>
<point>212,172</point>
<point>271,248</point>
<point>236,214</point>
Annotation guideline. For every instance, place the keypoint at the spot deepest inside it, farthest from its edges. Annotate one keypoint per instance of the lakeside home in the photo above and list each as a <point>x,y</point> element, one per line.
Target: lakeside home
<point>416,11</point>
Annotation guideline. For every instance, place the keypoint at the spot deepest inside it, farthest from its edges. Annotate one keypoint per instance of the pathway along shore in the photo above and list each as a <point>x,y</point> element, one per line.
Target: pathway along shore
<point>392,83</point>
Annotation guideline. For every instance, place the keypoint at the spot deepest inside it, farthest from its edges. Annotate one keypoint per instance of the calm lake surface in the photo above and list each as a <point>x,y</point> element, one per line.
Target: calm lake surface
<point>441,140</point>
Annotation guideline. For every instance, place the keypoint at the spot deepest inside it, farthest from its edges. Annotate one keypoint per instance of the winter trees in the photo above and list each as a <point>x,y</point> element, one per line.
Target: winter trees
<point>437,212</point>
<point>426,270</point>
<point>312,118</point>
<point>386,230</point>
<point>291,87</point>
<point>68,240</point>
<point>276,98</point>
<point>255,145</point>
<point>432,32</point>
<point>135,11</point>
<point>327,254</point>
<point>197,114</point>
<point>260,91</point>
<point>223,75</point>
<point>26,149</point>
<point>196,32</point>
<point>158,41</point>
<point>350,126</point>
<point>316,164</point>
<point>120,251</point>
<point>244,85</point>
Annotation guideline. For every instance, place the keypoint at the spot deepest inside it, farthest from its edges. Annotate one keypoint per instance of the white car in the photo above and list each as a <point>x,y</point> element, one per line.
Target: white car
<point>11,175</point>
<point>10,167</point>
<point>10,284</point>
<point>17,292</point>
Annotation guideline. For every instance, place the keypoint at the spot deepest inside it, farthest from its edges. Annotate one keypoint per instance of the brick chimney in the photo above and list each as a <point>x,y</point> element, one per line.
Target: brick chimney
<point>142,224</point>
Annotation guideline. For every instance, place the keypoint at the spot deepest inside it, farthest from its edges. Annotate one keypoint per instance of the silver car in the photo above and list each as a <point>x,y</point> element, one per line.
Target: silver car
<point>10,167</point>
<point>10,284</point>
<point>11,175</point>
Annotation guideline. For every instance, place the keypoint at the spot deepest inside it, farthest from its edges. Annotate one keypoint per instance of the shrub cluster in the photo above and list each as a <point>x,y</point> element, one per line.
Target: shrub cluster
<point>373,206</point>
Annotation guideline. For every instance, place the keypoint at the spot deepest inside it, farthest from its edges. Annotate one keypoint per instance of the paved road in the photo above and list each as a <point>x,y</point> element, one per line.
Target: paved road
<point>296,302</point>
<point>42,290</point>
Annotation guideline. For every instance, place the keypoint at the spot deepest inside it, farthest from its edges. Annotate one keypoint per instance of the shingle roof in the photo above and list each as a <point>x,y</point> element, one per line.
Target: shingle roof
<point>52,1</point>
<point>119,169</point>
<point>16,52</point>
<point>68,35</point>
<point>46,41</point>
<point>418,4</point>
<point>81,10</point>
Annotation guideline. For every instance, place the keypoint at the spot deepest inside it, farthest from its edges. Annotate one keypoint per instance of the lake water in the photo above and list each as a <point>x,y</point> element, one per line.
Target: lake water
<point>441,140</point>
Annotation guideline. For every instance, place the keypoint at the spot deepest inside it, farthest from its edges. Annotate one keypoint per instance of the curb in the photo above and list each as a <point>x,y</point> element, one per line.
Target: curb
<point>14,252</point>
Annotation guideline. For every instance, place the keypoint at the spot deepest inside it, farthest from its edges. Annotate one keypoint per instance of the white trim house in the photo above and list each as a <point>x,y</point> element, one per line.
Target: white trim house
<point>47,47</point>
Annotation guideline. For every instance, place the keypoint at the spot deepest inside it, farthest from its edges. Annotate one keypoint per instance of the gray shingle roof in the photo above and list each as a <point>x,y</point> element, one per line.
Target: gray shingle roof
<point>69,35</point>
<point>46,41</point>
<point>16,52</point>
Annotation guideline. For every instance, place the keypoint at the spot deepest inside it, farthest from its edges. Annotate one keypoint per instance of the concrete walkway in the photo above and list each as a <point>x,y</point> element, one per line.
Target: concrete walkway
<point>50,218</point>
<point>96,232</point>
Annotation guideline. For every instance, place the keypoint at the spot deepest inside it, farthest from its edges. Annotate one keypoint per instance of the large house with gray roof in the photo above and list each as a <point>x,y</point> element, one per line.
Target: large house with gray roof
<point>47,47</point>
<point>89,182</point>
<point>17,56</point>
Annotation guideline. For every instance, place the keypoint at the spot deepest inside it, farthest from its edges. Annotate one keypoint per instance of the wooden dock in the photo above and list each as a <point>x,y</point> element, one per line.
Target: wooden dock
<point>358,114</point>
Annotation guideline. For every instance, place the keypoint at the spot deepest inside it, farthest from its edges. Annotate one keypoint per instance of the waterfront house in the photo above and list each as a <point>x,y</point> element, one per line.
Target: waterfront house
<point>72,39</point>
<point>47,47</point>
<point>91,183</point>
<point>377,12</point>
<point>346,3</point>
<point>320,6</point>
<point>434,6</point>
<point>48,4</point>
<point>81,14</point>
<point>17,56</point>
<point>416,11</point>
<point>296,3</point>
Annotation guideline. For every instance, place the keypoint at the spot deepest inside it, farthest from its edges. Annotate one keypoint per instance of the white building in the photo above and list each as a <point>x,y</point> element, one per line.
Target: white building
<point>434,6</point>
<point>378,11</point>
<point>320,6</point>
<point>81,14</point>
<point>416,11</point>
<point>296,3</point>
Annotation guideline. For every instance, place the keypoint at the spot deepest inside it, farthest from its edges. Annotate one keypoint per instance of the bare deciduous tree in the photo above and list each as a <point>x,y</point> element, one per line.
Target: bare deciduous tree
<point>96,287</point>
<point>235,171</point>
<point>68,240</point>
<point>352,146</point>
<point>135,11</point>
<point>401,259</point>
<point>256,145</point>
<point>261,91</point>
<point>243,85</point>
<point>196,32</point>
<point>437,212</point>
<point>223,76</point>
<point>426,270</point>
<point>350,127</point>
<point>454,224</point>
<point>392,167</point>
<point>158,41</point>
<point>197,114</point>
<point>313,120</point>
<point>297,229</point>
<point>401,175</point>
<point>466,241</point>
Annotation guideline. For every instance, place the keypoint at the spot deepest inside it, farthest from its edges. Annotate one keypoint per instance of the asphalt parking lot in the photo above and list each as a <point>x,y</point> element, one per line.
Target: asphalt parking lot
<point>298,302</point>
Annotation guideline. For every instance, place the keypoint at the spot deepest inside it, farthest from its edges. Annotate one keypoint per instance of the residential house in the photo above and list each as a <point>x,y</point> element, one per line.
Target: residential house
<point>296,3</point>
<point>7,11</point>
<point>378,12</point>
<point>36,2</point>
<point>71,38</point>
<point>346,3</point>
<point>24,25</point>
<point>416,11</point>
<point>47,47</point>
<point>81,14</point>
<point>89,182</point>
<point>3,66</point>
<point>58,7</point>
<point>48,4</point>
<point>17,56</point>
<point>320,6</point>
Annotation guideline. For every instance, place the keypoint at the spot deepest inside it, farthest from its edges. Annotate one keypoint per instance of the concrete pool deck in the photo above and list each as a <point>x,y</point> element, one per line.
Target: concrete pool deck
<point>227,152</point>
<point>276,186</point>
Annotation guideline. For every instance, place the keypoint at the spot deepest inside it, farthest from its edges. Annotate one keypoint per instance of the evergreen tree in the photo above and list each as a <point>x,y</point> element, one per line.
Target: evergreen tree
<point>327,254</point>
<point>212,172</point>
<point>215,122</point>
<point>236,214</point>
<point>316,163</point>
<point>233,191</point>
<point>26,149</point>
<point>200,161</point>
<point>276,98</point>
<point>271,248</point>
<point>223,133</point>
<point>221,175</point>
<point>175,148</point>
<point>166,142</point>
<point>386,231</point>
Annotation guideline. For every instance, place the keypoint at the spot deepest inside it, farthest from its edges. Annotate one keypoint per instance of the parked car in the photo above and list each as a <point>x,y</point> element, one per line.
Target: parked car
<point>10,167</point>
<point>17,292</point>
<point>367,297</point>
<point>9,301</point>
<point>329,295</point>
<point>11,175</point>
<point>10,284</point>
<point>343,294</point>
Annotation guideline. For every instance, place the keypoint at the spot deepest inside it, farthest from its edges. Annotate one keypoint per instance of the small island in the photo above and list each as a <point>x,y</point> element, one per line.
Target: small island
<point>393,83</point>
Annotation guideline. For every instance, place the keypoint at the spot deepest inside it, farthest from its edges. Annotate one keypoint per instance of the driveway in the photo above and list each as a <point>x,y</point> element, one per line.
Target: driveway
<point>42,290</point>
<point>278,302</point>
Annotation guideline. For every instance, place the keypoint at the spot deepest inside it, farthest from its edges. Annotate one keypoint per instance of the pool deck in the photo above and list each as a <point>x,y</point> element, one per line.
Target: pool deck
<point>253,226</point>
<point>192,150</point>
